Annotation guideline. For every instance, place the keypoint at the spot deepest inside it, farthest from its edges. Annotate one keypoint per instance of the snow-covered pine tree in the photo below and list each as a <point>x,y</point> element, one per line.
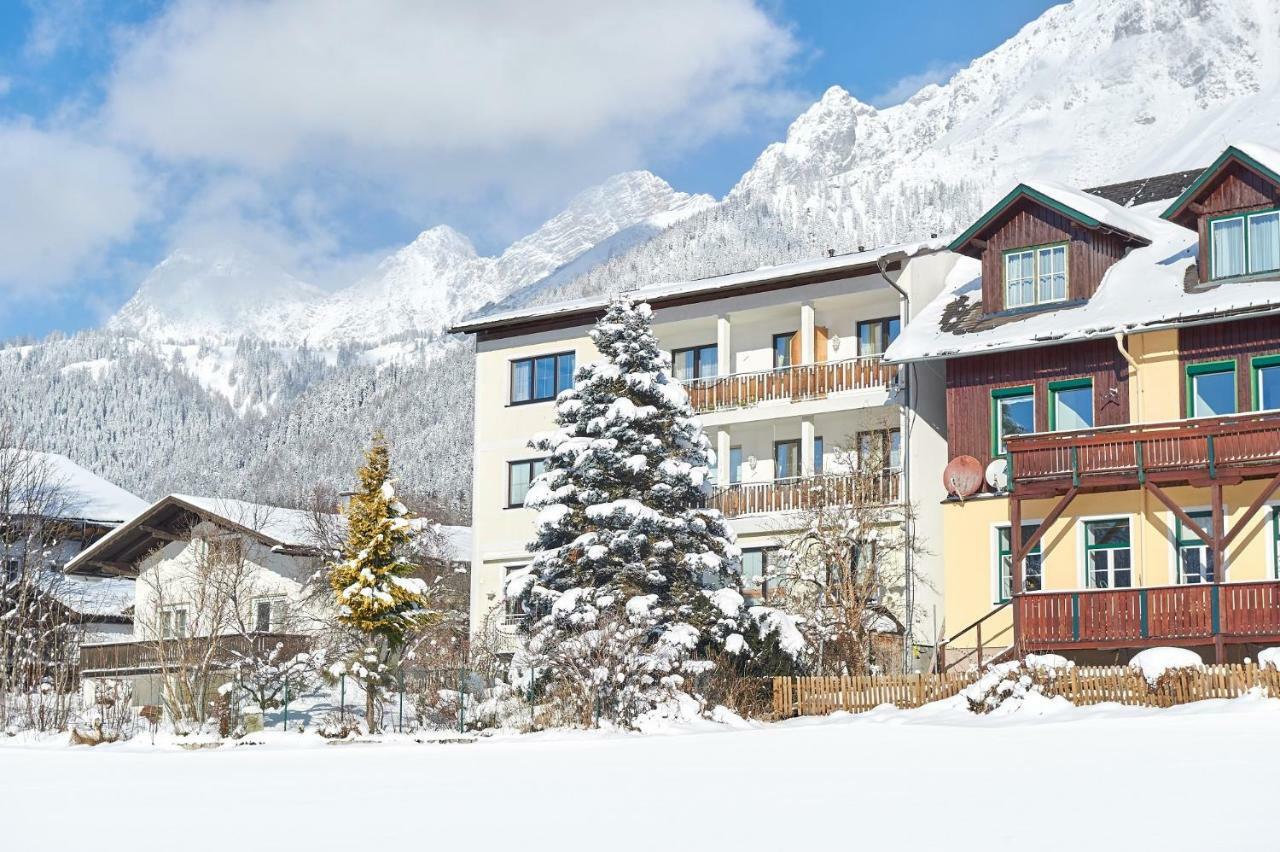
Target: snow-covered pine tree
<point>376,594</point>
<point>624,547</point>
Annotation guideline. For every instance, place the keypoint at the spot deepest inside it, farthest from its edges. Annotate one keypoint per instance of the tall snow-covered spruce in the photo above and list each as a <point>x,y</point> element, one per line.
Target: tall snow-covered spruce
<point>377,596</point>
<point>631,575</point>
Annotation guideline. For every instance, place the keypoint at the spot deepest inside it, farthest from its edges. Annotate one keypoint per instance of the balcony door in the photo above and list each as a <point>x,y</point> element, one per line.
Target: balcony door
<point>786,459</point>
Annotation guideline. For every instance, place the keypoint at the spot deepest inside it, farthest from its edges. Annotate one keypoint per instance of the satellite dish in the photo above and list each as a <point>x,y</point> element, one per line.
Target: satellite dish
<point>962,476</point>
<point>997,475</point>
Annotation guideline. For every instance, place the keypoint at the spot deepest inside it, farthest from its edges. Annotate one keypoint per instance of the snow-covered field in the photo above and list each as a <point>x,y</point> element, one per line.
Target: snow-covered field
<point>1196,777</point>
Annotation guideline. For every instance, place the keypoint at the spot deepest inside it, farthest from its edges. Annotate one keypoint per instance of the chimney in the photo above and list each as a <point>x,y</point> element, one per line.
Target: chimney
<point>831,252</point>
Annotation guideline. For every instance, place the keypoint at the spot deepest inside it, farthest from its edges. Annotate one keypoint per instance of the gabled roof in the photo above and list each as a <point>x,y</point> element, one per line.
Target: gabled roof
<point>82,494</point>
<point>1260,158</point>
<point>1077,205</point>
<point>289,530</point>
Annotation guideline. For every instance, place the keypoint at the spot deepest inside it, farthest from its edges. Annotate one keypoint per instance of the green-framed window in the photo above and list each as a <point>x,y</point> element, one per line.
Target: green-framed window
<point>1071,405</point>
<point>1035,276</point>
<point>1244,244</point>
<point>1013,412</point>
<point>1211,389</point>
<point>1275,540</point>
<point>1032,564</point>
<point>1266,383</point>
<point>1195,557</point>
<point>1108,554</point>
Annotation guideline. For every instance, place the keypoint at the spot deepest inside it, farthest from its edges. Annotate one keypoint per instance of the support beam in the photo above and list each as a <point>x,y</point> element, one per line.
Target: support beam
<point>724,445</point>
<point>1219,533</point>
<point>1020,548</point>
<point>159,533</point>
<point>1178,512</point>
<point>807,434</point>
<point>1254,507</point>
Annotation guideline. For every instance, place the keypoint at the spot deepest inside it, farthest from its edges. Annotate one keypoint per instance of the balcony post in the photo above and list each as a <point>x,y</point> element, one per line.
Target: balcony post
<point>724,361</point>
<point>806,333</point>
<point>723,454</point>
<point>806,446</point>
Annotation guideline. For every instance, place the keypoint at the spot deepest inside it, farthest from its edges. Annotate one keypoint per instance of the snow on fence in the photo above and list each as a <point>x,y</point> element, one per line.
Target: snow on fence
<point>1081,685</point>
<point>816,696</point>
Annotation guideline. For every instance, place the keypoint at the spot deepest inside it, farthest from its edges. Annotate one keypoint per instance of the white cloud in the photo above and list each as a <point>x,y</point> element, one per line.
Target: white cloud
<point>65,202</point>
<point>437,98</point>
<point>903,88</point>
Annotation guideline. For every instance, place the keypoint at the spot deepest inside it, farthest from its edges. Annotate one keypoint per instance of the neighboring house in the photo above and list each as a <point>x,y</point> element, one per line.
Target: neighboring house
<point>255,600</point>
<point>50,503</point>
<point>1112,362</point>
<point>783,365</point>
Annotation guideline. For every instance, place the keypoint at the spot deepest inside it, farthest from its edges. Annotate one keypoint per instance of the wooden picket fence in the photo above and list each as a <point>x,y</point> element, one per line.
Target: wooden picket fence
<point>1081,685</point>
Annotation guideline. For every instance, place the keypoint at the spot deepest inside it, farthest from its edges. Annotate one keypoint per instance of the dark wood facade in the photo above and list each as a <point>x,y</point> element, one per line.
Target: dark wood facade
<point>1028,223</point>
<point>971,380</point>
<point>1235,189</point>
<point>1240,341</point>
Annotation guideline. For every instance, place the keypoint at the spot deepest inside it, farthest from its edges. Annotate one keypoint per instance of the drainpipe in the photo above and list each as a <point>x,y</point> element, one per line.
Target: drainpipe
<point>1136,377</point>
<point>908,556</point>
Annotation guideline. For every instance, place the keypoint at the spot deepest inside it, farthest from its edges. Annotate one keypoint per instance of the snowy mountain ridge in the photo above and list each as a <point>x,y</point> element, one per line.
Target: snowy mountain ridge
<point>217,297</point>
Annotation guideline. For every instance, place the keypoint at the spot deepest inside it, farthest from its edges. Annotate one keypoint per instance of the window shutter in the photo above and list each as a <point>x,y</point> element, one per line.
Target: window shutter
<point>820,344</point>
<point>795,349</point>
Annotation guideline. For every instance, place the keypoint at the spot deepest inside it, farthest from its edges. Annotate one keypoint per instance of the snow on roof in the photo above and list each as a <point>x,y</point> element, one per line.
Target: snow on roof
<point>1146,290</point>
<point>92,596</point>
<point>292,527</point>
<point>85,495</point>
<point>714,284</point>
<point>459,539</point>
<point>1255,155</point>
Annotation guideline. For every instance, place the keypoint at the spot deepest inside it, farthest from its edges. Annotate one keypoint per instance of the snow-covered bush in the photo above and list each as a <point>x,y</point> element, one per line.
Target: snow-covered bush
<point>1269,657</point>
<point>1159,665</point>
<point>1007,686</point>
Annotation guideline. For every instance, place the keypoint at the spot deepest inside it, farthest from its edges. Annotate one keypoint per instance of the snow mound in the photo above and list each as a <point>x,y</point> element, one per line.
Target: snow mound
<point>1269,657</point>
<point>1154,662</point>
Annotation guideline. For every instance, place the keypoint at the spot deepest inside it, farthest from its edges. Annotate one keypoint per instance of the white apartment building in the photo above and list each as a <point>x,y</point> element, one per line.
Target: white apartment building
<point>784,366</point>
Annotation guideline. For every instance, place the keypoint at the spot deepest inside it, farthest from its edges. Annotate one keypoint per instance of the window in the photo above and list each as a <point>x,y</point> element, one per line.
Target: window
<point>882,448</point>
<point>269,615</point>
<point>1266,383</point>
<point>1032,575</point>
<point>520,475</point>
<point>755,572</point>
<point>782,349</point>
<point>1071,405</point>
<point>173,622</point>
<point>1108,559</point>
<point>786,459</point>
<point>696,362</point>
<point>1244,245</point>
<point>1195,557</point>
<point>817,455</point>
<point>12,570</point>
<point>1013,412</point>
<point>1275,539</point>
<point>862,558</point>
<point>1211,389</point>
<point>513,606</point>
<point>874,336</point>
<point>735,465</point>
<point>1035,276</point>
<point>541,378</point>
<point>225,550</point>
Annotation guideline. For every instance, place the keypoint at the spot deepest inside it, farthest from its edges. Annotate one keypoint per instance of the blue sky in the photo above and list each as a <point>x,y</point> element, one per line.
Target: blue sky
<point>322,134</point>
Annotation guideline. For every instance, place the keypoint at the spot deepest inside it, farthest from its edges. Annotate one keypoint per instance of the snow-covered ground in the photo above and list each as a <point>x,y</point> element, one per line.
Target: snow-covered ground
<point>936,778</point>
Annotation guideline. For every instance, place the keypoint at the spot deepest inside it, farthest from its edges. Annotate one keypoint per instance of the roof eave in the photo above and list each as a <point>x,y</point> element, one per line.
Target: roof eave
<point>1175,210</point>
<point>960,243</point>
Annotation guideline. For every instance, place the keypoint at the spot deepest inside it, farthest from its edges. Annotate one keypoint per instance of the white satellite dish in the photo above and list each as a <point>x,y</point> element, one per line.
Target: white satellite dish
<point>997,474</point>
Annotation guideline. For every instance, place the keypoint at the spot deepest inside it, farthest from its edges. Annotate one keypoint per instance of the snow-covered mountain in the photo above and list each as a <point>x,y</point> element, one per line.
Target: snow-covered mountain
<point>1093,91</point>
<point>419,290</point>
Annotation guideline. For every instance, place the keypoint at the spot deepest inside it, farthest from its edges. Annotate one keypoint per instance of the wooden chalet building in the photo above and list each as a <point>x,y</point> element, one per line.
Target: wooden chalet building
<point>1112,364</point>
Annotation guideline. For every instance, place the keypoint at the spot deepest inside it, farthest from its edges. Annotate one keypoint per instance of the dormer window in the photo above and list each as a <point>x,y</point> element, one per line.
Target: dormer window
<point>1035,276</point>
<point>1245,244</point>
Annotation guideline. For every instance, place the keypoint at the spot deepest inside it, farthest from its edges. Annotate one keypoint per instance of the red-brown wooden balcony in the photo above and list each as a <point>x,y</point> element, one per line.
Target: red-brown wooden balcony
<point>802,493</point>
<point>1202,449</point>
<point>800,382</point>
<point>1189,615</point>
<point>108,658</point>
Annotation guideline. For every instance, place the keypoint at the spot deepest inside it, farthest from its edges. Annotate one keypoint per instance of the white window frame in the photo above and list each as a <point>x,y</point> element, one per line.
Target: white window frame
<point>1082,553</point>
<point>276,616</point>
<point>1036,275</point>
<point>1171,522</point>
<point>1245,261</point>
<point>994,545</point>
<point>167,613</point>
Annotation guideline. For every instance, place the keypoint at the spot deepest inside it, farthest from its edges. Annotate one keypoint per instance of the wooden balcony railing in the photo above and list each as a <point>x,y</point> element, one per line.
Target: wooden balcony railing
<point>1121,455</point>
<point>124,657</point>
<point>792,495</point>
<point>1183,615</point>
<point>806,381</point>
